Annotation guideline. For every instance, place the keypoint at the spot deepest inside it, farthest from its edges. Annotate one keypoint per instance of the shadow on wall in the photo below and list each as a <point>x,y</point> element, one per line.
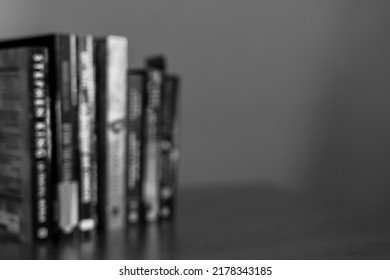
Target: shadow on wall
<point>352,159</point>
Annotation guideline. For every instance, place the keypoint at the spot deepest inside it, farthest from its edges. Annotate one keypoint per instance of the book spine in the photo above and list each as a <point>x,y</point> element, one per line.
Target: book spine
<point>169,148</point>
<point>66,113</point>
<point>85,129</point>
<point>25,144</point>
<point>152,164</point>
<point>41,147</point>
<point>175,153</point>
<point>136,92</point>
<point>112,113</point>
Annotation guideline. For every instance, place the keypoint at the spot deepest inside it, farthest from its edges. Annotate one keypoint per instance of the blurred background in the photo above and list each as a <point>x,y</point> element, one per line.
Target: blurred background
<point>292,94</point>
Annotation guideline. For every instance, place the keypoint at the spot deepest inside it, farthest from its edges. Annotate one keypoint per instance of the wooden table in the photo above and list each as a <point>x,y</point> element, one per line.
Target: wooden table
<point>239,222</point>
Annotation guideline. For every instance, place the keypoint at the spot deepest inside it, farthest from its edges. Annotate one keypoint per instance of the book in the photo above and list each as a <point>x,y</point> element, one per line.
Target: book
<point>62,83</point>
<point>152,146</point>
<point>169,146</point>
<point>85,139</point>
<point>136,97</point>
<point>66,120</point>
<point>111,78</point>
<point>25,144</point>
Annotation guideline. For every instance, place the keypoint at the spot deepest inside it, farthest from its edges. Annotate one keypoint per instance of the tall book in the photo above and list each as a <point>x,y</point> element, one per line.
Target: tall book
<point>25,143</point>
<point>136,97</point>
<point>176,136</point>
<point>62,84</point>
<point>66,119</point>
<point>85,138</point>
<point>111,77</point>
<point>152,147</point>
<point>169,146</point>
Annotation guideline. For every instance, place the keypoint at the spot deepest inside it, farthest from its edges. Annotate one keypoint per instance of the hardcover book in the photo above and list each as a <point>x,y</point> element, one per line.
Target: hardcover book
<point>111,70</point>
<point>25,144</point>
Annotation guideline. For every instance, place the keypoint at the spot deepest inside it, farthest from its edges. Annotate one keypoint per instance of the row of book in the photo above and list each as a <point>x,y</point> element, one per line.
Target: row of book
<point>85,143</point>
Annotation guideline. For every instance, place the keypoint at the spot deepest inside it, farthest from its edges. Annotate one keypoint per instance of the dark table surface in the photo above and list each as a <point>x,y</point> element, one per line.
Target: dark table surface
<point>241,222</point>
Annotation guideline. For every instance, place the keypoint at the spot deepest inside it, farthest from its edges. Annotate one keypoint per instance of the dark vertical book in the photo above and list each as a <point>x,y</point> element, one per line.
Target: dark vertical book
<point>136,97</point>
<point>169,146</point>
<point>176,138</point>
<point>62,84</point>
<point>111,85</point>
<point>152,147</point>
<point>25,144</point>
<point>66,120</point>
<point>86,158</point>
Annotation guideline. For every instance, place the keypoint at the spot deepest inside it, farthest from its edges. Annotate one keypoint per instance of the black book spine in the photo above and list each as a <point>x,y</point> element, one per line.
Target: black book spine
<point>175,152</point>
<point>41,146</point>
<point>136,93</point>
<point>66,113</point>
<point>169,147</point>
<point>152,163</point>
<point>85,129</point>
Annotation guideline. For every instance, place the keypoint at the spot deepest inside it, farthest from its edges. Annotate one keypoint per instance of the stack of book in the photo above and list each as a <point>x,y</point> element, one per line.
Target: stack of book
<point>85,143</point>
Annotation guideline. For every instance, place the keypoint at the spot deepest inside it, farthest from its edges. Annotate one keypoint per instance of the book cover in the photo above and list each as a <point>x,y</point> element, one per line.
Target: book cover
<point>25,144</point>
<point>136,97</point>
<point>111,78</point>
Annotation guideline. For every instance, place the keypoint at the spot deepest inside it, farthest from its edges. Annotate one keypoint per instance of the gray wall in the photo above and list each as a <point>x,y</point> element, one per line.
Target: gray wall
<point>294,93</point>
